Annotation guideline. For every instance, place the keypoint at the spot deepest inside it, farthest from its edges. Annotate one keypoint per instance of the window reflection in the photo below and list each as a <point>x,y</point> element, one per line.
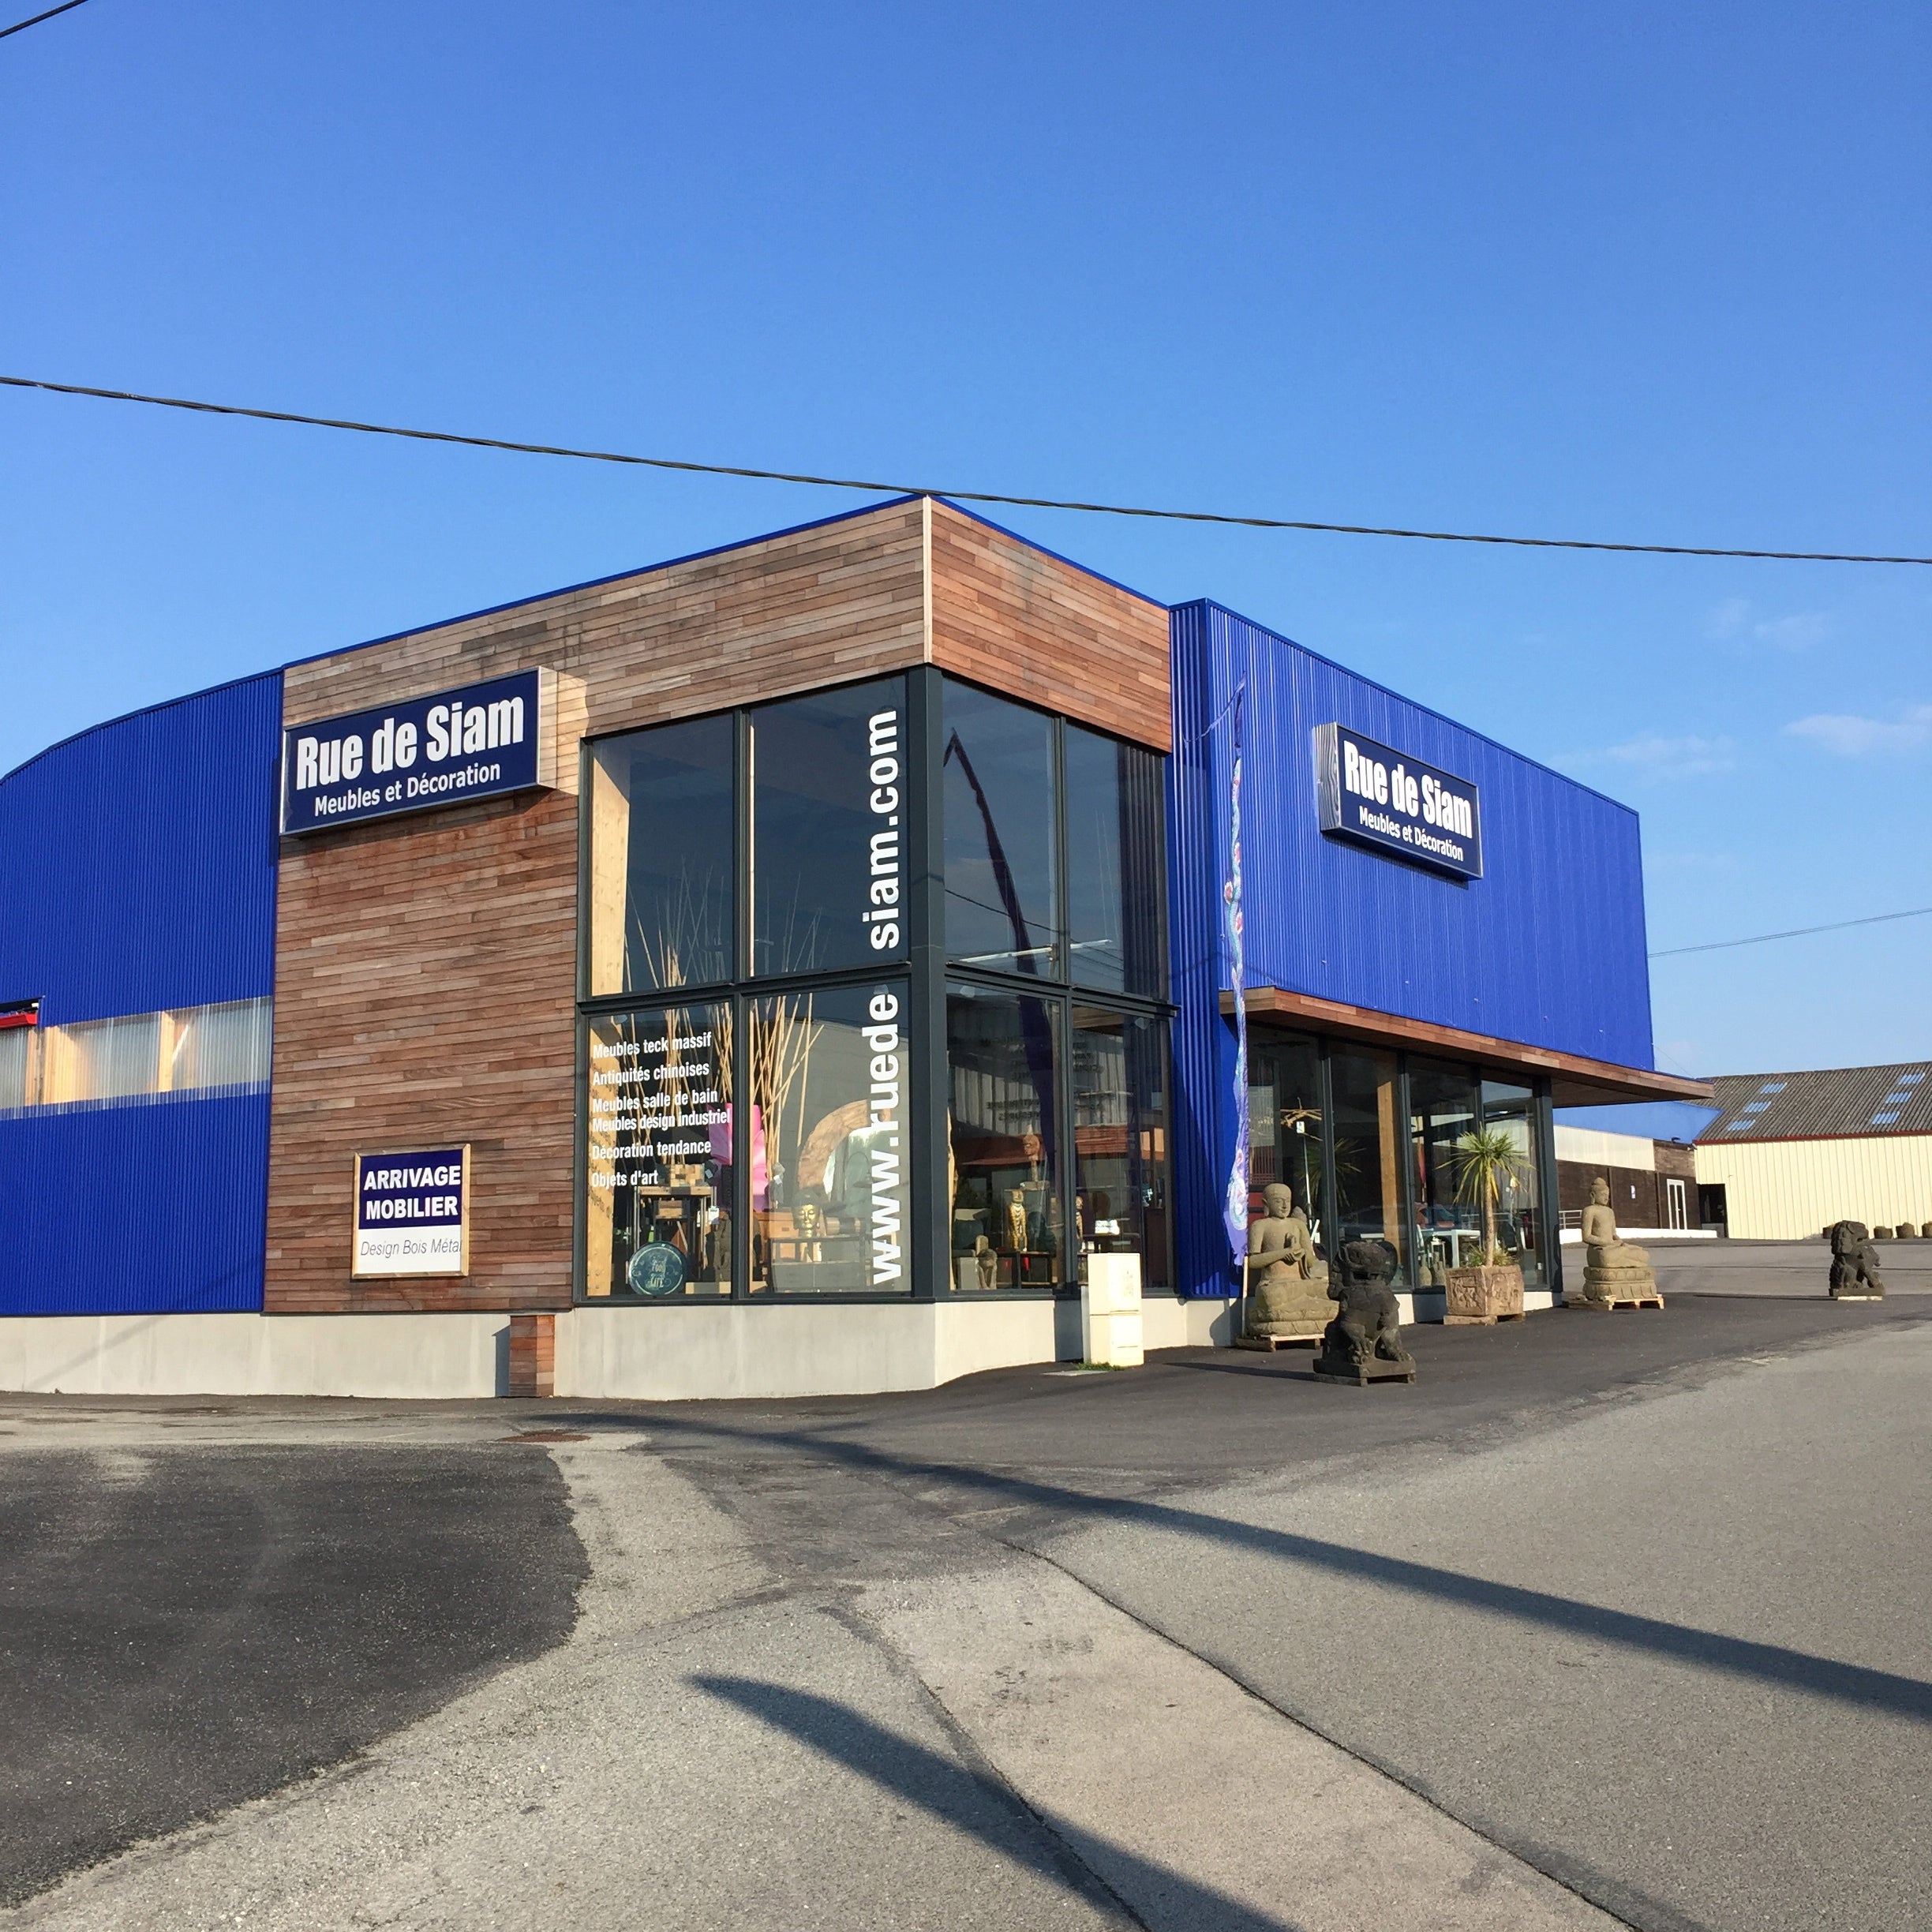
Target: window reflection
<point>1000,834</point>
<point>1284,1125</point>
<point>660,858</point>
<point>1114,863</point>
<point>1118,1067</point>
<point>1519,1217</point>
<point>1368,1154</point>
<point>1002,1052</point>
<point>1444,1102</point>
<point>829,1154</point>
<point>658,1165</point>
<point>828,830</point>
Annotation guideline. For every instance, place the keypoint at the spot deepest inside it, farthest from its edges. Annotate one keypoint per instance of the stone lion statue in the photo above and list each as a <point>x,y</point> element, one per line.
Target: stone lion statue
<point>1367,1322</point>
<point>1854,1262</point>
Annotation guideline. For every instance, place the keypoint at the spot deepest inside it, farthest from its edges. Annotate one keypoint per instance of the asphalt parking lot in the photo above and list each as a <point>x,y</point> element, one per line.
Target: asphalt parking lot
<point>1620,1595</point>
<point>181,1629</point>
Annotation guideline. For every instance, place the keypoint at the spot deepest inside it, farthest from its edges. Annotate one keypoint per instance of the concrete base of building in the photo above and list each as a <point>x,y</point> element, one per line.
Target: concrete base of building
<point>667,1354</point>
<point>401,1356</point>
<point>794,1349</point>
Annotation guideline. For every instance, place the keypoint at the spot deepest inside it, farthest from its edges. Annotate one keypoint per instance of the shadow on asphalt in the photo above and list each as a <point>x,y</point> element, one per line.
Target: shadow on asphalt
<point>1772,1664</point>
<point>951,1793</point>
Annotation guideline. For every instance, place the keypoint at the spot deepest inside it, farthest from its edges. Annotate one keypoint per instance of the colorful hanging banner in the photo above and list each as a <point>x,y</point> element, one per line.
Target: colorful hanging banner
<point>1236,1212</point>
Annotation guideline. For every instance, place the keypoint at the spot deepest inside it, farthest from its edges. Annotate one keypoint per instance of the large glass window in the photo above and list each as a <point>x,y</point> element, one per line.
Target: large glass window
<point>224,1045</point>
<point>191,1050</point>
<point>1002,1052</point>
<point>1444,1103</point>
<point>1118,1067</point>
<point>659,1169</point>
<point>1368,1153</point>
<point>828,825</point>
<point>1519,1217</point>
<point>831,1154</point>
<point>103,1059</point>
<point>1002,834</point>
<point>1114,863</point>
<point>1285,1124</point>
<point>660,892</point>
<point>755,865</point>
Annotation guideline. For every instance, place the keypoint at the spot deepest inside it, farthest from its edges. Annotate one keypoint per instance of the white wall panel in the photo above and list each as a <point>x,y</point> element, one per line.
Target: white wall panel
<point>1590,1147</point>
<point>1788,1190</point>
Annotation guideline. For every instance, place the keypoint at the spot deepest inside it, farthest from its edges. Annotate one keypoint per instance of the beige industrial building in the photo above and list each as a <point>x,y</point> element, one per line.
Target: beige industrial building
<point>1791,1153</point>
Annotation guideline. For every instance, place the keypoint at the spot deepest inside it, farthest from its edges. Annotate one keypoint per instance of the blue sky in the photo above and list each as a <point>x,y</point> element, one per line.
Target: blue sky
<point>1652,273</point>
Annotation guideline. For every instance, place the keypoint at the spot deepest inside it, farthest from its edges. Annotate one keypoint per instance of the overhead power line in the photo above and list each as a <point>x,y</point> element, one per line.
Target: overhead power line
<point>67,6</point>
<point>928,489</point>
<point>1796,932</point>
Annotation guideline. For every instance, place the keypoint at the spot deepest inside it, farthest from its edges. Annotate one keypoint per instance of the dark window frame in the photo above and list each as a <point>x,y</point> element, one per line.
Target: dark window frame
<point>924,968</point>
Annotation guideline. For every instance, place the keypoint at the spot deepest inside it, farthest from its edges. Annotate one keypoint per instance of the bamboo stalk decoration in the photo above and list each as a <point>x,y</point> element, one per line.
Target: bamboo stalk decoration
<point>678,936</point>
<point>781,1045</point>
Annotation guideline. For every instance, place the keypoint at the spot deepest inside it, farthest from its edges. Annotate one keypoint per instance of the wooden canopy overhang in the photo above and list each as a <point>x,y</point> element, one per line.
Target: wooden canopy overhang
<point>1574,1080</point>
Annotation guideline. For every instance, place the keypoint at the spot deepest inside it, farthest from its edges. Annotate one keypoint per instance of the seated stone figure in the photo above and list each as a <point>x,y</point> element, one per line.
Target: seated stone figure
<point>1287,1284</point>
<point>1855,1262</point>
<point>1613,1270</point>
<point>1368,1322</point>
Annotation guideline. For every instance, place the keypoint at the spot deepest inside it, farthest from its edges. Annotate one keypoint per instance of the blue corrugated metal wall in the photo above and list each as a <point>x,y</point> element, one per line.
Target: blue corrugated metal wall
<point>137,861</point>
<point>155,1209</point>
<point>1547,947</point>
<point>137,874</point>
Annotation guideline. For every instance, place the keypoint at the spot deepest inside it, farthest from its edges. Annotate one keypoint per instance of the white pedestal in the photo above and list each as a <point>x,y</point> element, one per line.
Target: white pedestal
<point>1110,1312</point>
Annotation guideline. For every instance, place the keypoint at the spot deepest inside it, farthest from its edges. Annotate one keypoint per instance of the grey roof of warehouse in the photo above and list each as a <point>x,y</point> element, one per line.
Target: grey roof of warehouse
<point>1830,1104</point>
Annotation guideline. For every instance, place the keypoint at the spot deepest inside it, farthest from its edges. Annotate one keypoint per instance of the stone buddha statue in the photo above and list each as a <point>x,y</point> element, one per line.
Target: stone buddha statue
<point>1287,1284</point>
<point>1613,1270</point>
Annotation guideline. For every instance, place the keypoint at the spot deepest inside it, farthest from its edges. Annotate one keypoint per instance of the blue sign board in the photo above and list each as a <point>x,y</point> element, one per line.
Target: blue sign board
<point>412,1212</point>
<point>1381,797</point>
<point>477,741</point>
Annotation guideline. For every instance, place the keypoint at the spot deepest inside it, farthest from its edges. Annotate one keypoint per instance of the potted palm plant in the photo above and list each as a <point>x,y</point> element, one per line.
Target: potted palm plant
<point>1492,1290</point>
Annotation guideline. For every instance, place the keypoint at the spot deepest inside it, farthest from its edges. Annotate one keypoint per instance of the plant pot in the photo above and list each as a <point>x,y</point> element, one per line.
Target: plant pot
<point>1483,1294</point>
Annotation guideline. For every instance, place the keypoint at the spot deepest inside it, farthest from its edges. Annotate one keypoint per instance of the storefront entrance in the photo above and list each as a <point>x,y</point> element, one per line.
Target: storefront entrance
<point>1373,1144</point>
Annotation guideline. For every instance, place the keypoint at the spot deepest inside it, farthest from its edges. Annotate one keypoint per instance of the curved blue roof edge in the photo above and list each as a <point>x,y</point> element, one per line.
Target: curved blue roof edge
<point>438,623</point>
<point>140,711</point>
<point>1389,691</point>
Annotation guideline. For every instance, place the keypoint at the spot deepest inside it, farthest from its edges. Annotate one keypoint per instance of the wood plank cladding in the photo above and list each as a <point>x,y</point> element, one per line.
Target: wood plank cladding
<point>789,613</point>
<point>1574,1080</point>
<point>426,965</point>
<point>424,996</point>
<point>1033,628</point>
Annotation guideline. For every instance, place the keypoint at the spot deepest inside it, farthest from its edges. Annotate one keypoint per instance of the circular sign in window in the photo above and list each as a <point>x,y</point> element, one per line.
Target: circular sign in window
<point>657,1269</point>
